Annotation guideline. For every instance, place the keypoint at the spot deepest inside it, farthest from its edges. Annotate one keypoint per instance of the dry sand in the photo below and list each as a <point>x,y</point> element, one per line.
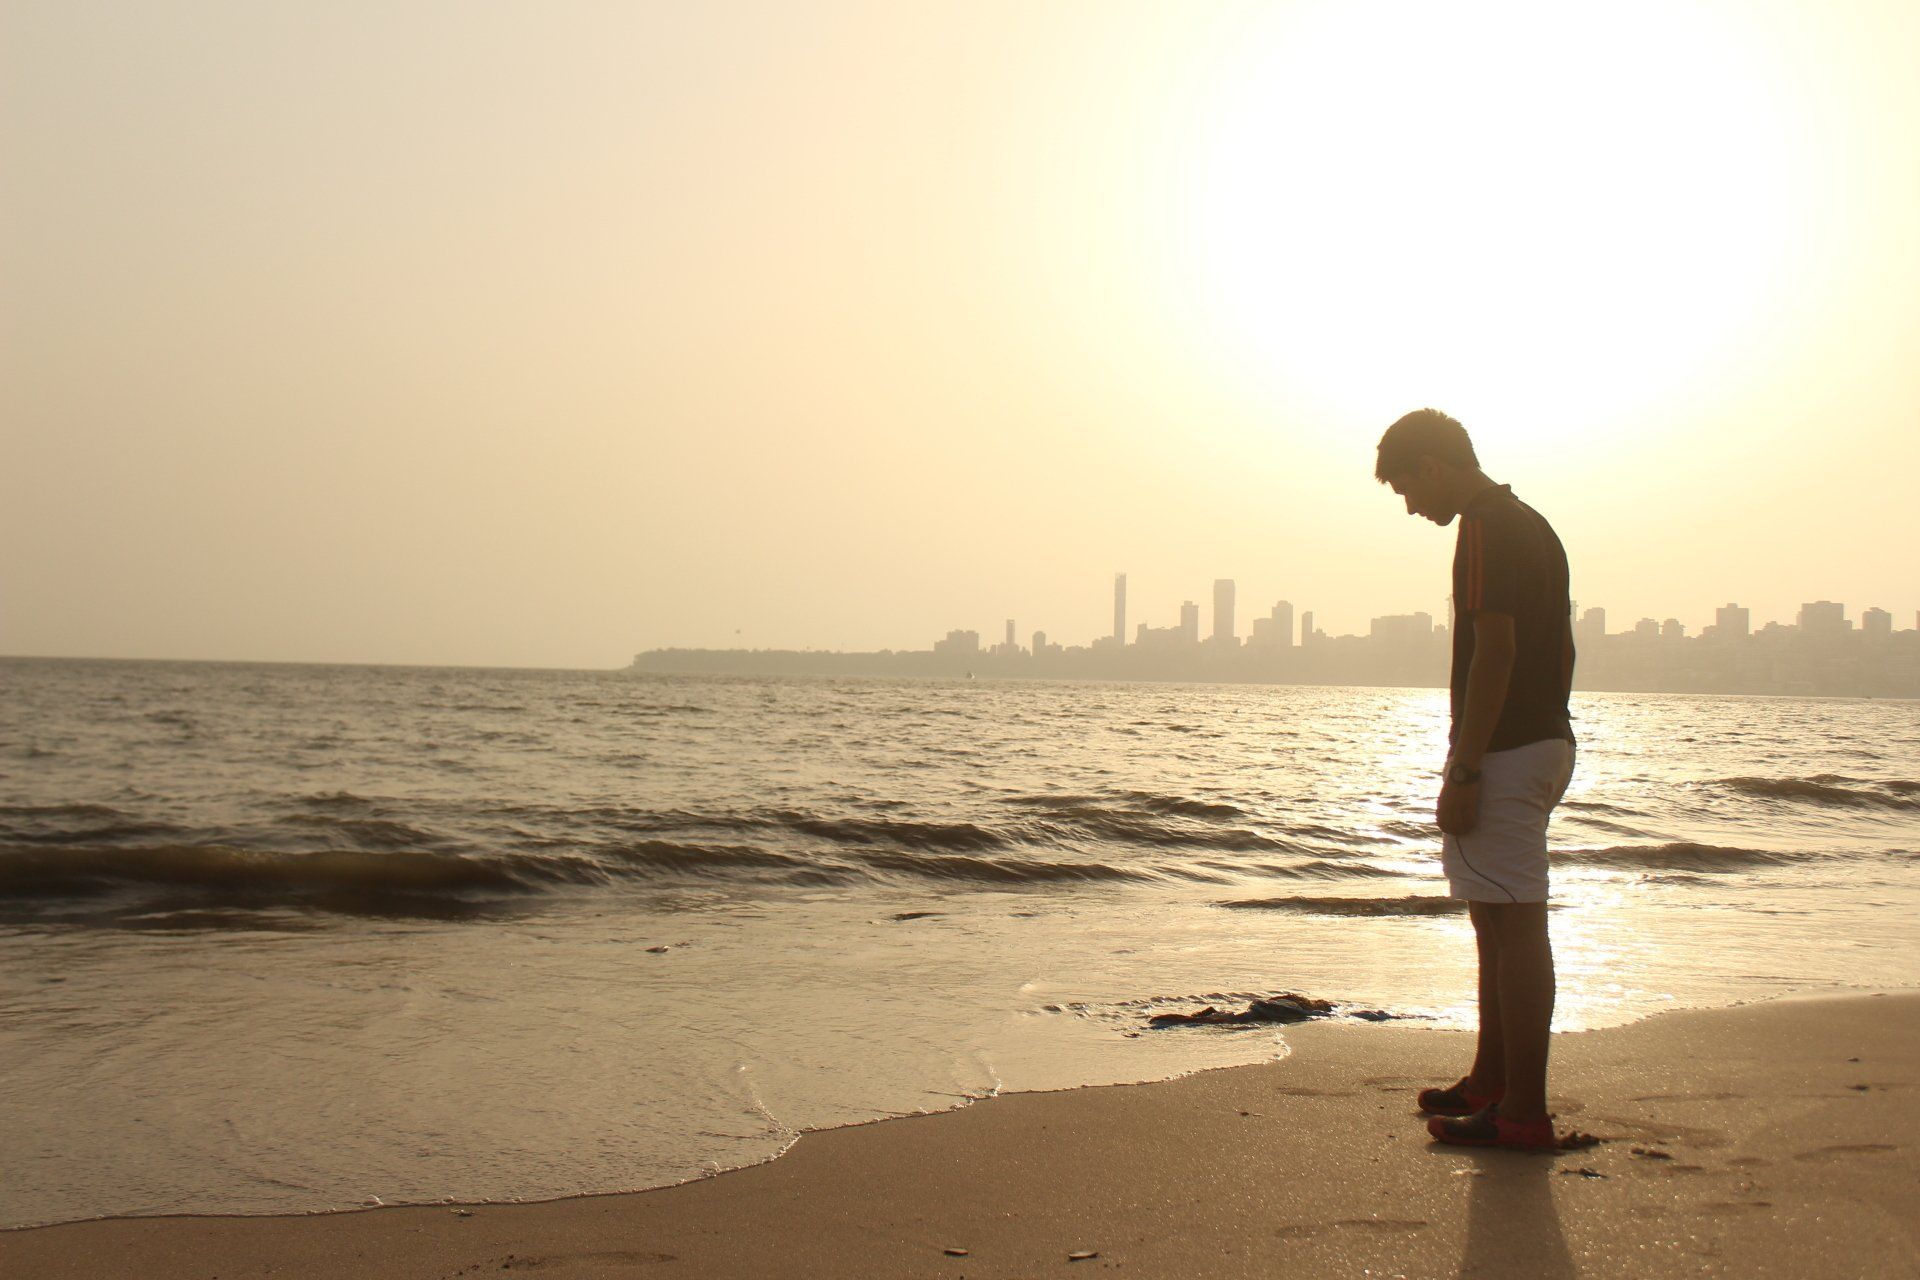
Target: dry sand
<point>1775,1139</point>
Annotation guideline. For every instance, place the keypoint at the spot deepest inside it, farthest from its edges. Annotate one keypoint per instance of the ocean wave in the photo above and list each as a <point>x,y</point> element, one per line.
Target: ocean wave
<point>1000,870</point>
<point>865,831</point>
<point>673,855</point>
<point>335,802</point>
<point>1118,828</point>
<point>473,706</point>
<point>1411,905</point>
<point>1153,802</point>
<point>67,824</point>
<point>1681,855</point>
<point>367,834</point>
<point>33,872</point>
<point>1829,789</point>
<point>1332,869</point>
<point>94,811</point>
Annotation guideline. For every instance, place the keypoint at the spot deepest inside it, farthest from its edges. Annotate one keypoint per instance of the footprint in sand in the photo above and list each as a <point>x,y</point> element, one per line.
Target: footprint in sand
<point>1314,1093</point>
<point>1736,1208</point>
<point>1383,1224</point>
<point>1839,1149</point>
<point>1704,1139</point>
<point>593,1261</point>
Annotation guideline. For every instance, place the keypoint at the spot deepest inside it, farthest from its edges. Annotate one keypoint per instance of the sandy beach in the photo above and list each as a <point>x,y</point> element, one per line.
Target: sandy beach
<point>1770,1139</point>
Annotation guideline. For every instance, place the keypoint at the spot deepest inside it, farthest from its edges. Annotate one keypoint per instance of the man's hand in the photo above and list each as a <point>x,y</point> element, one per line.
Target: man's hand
<point>1459,809</point>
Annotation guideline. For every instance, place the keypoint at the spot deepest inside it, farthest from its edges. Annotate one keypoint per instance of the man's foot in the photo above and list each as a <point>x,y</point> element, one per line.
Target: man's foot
<point>1488,1128</point>
<point>1456,1100</point>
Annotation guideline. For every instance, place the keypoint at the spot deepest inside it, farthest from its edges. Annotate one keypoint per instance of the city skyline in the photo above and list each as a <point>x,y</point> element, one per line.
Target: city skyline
<point>1821,652</point>
<point>1277,626</point>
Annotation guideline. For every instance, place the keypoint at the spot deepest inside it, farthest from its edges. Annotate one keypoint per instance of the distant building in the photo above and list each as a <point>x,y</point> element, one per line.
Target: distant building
<point>1306,628</point>
<point>1592,628</point>
<point>1731,622</point>
<point>1823,620</point>
<point>1012,644</point>
<point>1190,622</point>
<point>1672,630</point>
<point>1224,632</point>
<point>959,642</point>
<point>1876,624</point>
<point>1275,631</point>
<point>1647,629</point>
<point>1163,638</point>
<point>1403,630</point>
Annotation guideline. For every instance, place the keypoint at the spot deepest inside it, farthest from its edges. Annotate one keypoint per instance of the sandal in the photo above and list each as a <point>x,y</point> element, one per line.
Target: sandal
<point>1455,1100</point>
<point>1487,1128</point>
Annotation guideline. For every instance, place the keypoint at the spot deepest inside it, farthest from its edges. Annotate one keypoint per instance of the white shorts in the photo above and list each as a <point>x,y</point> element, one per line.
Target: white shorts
<point>1504,857</point>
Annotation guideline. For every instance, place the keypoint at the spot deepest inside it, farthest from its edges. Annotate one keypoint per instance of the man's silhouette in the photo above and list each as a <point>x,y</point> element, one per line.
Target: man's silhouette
<point>1510,759</point>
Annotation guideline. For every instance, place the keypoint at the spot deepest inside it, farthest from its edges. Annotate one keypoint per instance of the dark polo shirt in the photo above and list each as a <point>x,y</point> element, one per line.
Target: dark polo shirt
<point>1507,559</point>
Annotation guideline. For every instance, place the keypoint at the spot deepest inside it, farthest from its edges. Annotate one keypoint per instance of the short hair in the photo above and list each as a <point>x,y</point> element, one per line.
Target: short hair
<point>1423,433</point>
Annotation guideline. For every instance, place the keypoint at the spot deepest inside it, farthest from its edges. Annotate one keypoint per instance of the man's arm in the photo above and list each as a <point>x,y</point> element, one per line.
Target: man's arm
<point>1487,679</point>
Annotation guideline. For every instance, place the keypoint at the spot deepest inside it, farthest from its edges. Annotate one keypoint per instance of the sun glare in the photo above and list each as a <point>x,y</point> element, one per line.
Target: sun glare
<point>1409,204</point>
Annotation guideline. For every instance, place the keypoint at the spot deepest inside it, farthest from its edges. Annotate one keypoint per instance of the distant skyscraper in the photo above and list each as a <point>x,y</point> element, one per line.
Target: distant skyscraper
<point>1011,642</point>
<point>959,642</point>
<point>1275,631</point>
<point>1877,624</point>
<point>1306,628</point>
<point>1406,630</point>
<point>1223,628</point>
<point>1119,608</point>
<point>1039,643</point>
<point>1823,620</point>
<point>1731,622</point>
<point>1190,622</point>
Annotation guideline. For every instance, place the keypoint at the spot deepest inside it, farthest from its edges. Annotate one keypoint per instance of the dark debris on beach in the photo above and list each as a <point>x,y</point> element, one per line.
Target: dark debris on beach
<point>1288,1007</point>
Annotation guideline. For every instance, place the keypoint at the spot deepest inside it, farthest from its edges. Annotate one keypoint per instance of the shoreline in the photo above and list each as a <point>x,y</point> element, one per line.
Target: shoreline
<point>1748,1143</point>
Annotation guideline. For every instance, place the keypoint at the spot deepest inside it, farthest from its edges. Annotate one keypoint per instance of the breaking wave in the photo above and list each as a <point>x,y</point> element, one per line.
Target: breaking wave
<point>1411,905</point>
<point>1830,790</point>
<point>1681,856</point>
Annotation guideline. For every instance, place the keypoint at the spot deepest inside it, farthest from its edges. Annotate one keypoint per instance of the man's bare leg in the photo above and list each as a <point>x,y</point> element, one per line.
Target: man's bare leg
<point>1489,1074</point>
<point>1526,984</point>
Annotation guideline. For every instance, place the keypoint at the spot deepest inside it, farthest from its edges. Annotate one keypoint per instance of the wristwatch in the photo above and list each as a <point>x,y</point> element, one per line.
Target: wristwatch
<point>1461,776</point>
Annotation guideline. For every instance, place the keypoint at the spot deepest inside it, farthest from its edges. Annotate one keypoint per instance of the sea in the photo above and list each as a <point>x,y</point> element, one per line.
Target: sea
<point>280,938</point>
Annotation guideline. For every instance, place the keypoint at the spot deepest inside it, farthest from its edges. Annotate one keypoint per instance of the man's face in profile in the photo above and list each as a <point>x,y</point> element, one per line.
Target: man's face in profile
<point>1424,494</point>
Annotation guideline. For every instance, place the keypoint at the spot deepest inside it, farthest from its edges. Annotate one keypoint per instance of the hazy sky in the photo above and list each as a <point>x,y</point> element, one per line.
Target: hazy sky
<point>538,334</point>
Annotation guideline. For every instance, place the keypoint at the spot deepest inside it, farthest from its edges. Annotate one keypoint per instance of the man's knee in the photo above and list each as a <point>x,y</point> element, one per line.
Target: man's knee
<point>1511,923</point>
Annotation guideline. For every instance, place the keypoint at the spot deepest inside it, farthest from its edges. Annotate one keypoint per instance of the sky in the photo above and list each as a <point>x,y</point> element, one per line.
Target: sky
<point>537,335</point>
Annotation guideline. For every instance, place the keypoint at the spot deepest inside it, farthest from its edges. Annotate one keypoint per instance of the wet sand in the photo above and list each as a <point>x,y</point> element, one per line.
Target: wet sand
<point>1774,1139</point>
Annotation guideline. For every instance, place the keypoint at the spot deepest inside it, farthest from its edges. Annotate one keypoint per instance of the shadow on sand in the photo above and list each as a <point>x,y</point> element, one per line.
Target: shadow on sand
<point>1513,1225</point>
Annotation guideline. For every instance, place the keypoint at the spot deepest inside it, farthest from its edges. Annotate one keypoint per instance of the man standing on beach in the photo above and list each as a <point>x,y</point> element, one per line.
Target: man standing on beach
<point>1510,760</point>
